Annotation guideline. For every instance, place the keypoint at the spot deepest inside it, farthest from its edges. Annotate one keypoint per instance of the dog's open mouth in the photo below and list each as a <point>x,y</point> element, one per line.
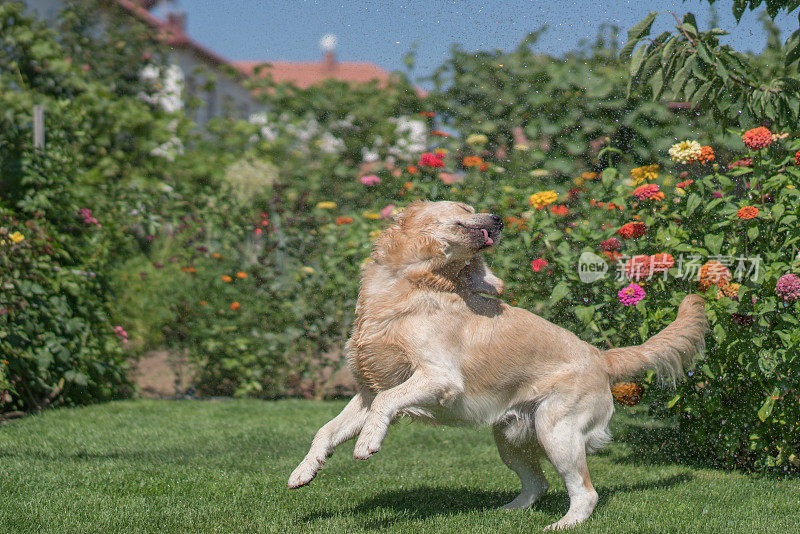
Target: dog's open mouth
<point>482,234</point>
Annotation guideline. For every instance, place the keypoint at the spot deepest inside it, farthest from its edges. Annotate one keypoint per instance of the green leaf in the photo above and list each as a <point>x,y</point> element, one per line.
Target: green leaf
<point>714,242</point>
<point>559,292</point>
<point>673,401</point>
<point>637,32</point>
<point>752,232</point>
<point>766,408</point>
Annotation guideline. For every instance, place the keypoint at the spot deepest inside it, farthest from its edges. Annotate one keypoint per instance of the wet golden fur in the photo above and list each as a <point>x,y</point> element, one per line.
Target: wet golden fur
<point>427,341</point>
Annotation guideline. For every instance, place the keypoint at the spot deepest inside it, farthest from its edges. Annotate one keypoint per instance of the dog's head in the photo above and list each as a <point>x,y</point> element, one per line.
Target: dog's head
<point>435,235</point>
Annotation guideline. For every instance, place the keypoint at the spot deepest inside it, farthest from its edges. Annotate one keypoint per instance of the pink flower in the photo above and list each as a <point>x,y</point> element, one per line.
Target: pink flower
<point>538,264</point>
<point>429,159</point>
<point>386,212</point>
<point>86,215</point>
<point>121,333</point>
<point>370,179</point>
<point>788,287</point>
<point>610,244</point>
<point>643,192</point>
<point>630,295</point>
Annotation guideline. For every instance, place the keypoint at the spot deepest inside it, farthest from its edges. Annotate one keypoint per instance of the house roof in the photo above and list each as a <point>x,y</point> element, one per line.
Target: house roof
<point>170,31</point>
<point>306,74</point>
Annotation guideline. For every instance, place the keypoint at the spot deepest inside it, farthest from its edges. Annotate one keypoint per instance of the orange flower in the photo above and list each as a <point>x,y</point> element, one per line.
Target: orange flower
<point>484,166</point>
<point>712,272</point>
<point>215,255</point>
<point>192,270</point>
<point>235,306</point>
<point>185,269</point>
<point>632,230</point>
<point>589,175</point>
<point>706,154</point>
<point>662,262</point>
<point>440,133</point>
<point>427,113</point>
<point>627,393</point>
<point>203,303</point>
<point>241,274</point>
<point>226,278</point>
<point>747,212</point>
<point>412,170</point>
<point>757,138</point>
<point>517,223</point>
<point>559,209</point>
<point>684,185</point>
<point>472,161</point>
<point>343,220</point>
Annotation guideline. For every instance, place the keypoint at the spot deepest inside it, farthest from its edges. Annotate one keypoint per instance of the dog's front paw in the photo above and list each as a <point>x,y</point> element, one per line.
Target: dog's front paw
<point>302,475</point>
<point>366,447</point>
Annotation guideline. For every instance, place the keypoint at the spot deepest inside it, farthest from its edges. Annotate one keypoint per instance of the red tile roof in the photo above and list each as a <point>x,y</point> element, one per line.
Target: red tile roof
<point>306,74</point>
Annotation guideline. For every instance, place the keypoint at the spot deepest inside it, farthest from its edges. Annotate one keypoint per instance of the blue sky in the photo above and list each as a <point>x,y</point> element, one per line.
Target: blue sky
<point>382,32</point>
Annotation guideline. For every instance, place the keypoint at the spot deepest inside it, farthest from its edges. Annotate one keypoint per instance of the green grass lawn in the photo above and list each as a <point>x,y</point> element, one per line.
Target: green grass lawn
<point>222,466</point>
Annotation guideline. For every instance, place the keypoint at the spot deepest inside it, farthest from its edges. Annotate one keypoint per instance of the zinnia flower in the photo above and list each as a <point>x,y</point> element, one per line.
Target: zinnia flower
<point>744,162</point>
<point>427,113</point>
<point>747,212</point>
<point>757,138</point>
<point>386,212</point>
<point>370,179</point>
<point>440,133</point>
<point>684,184</point>
<point>559,210</point>
<point>326,205</point>
<point>639,268</point>
<point>235,306</point>
<point>646,191</point>
<point>712,272</point>
<point>538,264</point>
<point>16,237</point>
<point>472,161</point>
<point>648,173</point>
<point>632,230</point>
<point>542,199</point>
<point>226,278</point>
<point>429,159</point>
<point>371,215</point>
<point>685,151</point>
<point>706,154</point>
<point>788,287</point>
<point>631,294</point>
<point>121,333</point>
<point>241,274</point>
<point>343,220</point>
<point>611,244</point>
<point>411,170</point>
<point>797,158</point>
<point>662,262</point>
<point>729,289</point>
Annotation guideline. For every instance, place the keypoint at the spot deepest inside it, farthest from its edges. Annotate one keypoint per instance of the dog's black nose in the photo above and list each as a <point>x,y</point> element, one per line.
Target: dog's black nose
<point>497,220</point>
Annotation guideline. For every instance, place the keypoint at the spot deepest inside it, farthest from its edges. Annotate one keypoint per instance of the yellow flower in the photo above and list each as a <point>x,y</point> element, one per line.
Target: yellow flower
<point>477,140</point>
<point>685,151</point>
<point>374,234</point>
<point>326,205</point>
<point>521,147</point>
<point>16,237</point>
<point>648,173</point>
<point>542,199</point>
<point>307,270</point>
<point>372,215</point>
<point>441,151</point>
<point>539,173</point>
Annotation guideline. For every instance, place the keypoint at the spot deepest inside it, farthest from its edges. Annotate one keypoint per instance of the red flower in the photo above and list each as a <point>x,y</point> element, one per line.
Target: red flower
<point>343,220</point>
<point>440,133</point>
<point>684,185</point>
<point>797,158</point>
<point>745,162</point>
<point>427,113</point>
<point>757,138</point>
<point>706,154</point>
<point>538,264</point>
<point>747,212</point>
<point>639,267</point>
<point>559,210</point>
<point>662,262</point>
<point>610,244</point>
<point>429,159</point>
<point>632,230</point>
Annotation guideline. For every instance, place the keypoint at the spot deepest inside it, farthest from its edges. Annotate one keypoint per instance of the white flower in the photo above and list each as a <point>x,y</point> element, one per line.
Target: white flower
<point>685,151</point>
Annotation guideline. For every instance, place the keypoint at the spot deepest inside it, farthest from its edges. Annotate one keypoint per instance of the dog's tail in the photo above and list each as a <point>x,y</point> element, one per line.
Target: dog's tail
<point>667,352</point>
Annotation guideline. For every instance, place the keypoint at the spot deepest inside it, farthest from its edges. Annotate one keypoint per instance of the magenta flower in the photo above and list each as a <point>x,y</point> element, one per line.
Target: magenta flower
<point>611,244</point>
<point>370,179</point>
<point>386,212</point>
<point>121,333</point>
<point>86,215</point>
<point>788,287</point>
<point>631,295</point>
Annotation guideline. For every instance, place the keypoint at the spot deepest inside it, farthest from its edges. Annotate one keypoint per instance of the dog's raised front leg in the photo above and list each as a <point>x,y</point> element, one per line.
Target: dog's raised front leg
<point>422,389</point>
<point>344,426</point>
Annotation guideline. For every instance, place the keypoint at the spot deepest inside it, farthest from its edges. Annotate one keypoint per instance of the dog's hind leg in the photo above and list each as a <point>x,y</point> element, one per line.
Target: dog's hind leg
<point>524,461</point>
<point>344,426</point>
<point>564,441</point>
<point>422,389</point>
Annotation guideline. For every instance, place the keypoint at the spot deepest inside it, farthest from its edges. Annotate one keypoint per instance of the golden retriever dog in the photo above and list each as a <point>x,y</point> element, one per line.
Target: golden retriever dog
<point>429,343</point>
